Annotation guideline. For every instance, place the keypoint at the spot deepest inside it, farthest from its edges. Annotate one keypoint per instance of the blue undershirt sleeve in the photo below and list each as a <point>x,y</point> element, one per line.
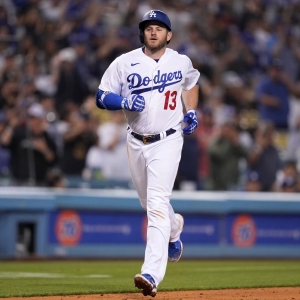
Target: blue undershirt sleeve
<point>108,100</point>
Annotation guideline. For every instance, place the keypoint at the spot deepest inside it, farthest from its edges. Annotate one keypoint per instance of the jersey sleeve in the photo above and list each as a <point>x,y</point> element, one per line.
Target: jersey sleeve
<point>111,79</point>
<point>191,77</point>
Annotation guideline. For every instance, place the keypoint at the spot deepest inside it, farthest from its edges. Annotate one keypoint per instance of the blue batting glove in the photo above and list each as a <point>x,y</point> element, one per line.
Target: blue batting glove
<point>191,119</point>
<point>134,103</point>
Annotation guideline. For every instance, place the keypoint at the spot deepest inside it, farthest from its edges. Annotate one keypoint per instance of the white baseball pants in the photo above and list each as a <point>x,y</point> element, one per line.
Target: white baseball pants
<point>153,169</point>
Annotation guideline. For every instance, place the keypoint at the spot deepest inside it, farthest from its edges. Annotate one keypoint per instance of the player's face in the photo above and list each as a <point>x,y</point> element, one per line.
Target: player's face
<point>156,36</point>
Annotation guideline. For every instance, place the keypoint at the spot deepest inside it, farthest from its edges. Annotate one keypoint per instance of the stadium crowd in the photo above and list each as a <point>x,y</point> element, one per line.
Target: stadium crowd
<point>54,52</point>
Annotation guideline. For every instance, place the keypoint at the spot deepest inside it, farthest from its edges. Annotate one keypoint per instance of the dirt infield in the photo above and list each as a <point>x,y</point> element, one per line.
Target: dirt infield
<point>284,293</point>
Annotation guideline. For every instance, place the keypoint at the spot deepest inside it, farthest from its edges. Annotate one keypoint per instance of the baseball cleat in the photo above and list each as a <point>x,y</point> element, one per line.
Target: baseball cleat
<point>176,248</point>
<point>146,283</point>
<point>175,251</point>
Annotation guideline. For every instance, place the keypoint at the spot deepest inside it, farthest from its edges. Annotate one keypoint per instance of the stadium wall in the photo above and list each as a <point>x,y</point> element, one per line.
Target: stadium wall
<point>79,223</point>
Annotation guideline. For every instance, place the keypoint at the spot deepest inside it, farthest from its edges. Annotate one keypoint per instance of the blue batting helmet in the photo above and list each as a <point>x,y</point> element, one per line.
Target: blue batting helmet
<point>154,15</point>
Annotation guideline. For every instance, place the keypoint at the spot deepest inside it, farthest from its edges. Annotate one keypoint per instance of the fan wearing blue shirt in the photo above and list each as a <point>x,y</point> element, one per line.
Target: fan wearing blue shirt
<point>273,96</point>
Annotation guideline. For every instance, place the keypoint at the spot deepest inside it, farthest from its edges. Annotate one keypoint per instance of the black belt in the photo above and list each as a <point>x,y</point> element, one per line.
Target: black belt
<point>148,139</point>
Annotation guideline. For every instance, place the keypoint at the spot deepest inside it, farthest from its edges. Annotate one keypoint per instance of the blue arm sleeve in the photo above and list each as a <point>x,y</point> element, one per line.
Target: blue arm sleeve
<point>108,100</point>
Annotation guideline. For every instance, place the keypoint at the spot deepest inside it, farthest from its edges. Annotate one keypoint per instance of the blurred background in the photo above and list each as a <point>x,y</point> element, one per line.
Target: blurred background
<point>53,54</point>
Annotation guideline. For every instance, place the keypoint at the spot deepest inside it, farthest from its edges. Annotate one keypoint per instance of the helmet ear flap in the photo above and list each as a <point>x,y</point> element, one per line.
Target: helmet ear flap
<point>141,35</point>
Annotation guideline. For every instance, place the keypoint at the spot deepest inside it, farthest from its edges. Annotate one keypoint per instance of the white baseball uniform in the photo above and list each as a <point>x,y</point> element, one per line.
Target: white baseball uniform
<point>154,166</point>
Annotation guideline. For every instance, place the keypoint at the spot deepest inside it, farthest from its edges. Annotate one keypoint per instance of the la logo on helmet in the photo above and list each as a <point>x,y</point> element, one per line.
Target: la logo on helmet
<point>152,14</point>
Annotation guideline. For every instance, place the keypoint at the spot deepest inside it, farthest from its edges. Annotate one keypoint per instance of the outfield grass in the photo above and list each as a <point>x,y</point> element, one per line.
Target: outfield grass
<point>88,277</point>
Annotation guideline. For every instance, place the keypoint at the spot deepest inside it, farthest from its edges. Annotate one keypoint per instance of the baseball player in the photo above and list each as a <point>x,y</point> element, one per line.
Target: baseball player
<point>149,84</point>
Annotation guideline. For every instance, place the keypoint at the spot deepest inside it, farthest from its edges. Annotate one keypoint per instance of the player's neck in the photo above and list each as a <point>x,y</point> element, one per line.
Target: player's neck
<point>154,54</point>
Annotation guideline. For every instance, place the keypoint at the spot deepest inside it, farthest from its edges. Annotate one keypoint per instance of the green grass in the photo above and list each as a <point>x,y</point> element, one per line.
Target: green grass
<point>78,277</point>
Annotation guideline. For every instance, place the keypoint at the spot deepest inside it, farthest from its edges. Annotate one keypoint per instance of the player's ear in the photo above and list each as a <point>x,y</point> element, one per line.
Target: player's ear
<point>169,36</point>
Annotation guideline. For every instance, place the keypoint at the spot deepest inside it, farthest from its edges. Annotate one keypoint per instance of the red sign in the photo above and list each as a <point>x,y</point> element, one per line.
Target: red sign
<point>243,231</point>
<point>68,228</point>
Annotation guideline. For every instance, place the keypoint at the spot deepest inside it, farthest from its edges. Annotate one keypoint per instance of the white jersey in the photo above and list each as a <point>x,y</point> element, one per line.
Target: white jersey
<point>160,83</point>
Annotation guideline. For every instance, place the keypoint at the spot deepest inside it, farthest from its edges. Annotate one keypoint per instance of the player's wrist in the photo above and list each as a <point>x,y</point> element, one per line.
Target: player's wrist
<point>134,103</point>
<point>124,103</point>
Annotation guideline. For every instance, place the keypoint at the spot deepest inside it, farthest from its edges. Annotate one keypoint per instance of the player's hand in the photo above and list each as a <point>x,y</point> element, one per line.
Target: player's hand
<point>134,103</point>
<point>191,119</point>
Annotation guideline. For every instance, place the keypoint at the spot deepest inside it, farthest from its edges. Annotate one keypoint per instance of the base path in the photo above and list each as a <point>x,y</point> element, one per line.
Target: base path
<point>284,293</point>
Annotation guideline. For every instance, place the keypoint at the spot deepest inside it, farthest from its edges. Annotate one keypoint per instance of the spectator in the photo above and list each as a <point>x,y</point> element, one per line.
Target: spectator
<point>205,133</point>
<point>55,178</point>
<point>238,57</point>
<point>33,152</point>
<point>225,153</point>
<point>287,49</point>
<point>110,157</point>
<point>53,125</point>
<point>287,176</point>
<point>273,96</point>
<point>253,183</point>
<point>9,93</point>
<point>78,139</point>
<point>10,77</point>
<point>234,91</point>
<point>52,10</point>
<point>117,45</point>
<point>32,23</point>
<point>71,88</point>
<point>9,68</point>
<point>264,157</point>
<point>289,185</point>
<point>187,175</point>
<point>222,112</point>
<point>84,60</point>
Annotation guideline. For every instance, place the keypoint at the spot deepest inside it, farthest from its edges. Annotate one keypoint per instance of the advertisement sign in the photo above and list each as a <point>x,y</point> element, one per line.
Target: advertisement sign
<point>250,230</point>
<point>70,228</point>
<point>201,230</point>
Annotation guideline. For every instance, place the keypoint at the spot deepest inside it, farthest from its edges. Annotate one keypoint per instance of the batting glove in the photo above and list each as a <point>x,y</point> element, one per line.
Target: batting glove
<point>191,119</point>
<point>134,103</point>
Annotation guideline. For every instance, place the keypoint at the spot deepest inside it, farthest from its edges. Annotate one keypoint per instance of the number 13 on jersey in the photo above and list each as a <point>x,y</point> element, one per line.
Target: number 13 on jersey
<point>170,100</point>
